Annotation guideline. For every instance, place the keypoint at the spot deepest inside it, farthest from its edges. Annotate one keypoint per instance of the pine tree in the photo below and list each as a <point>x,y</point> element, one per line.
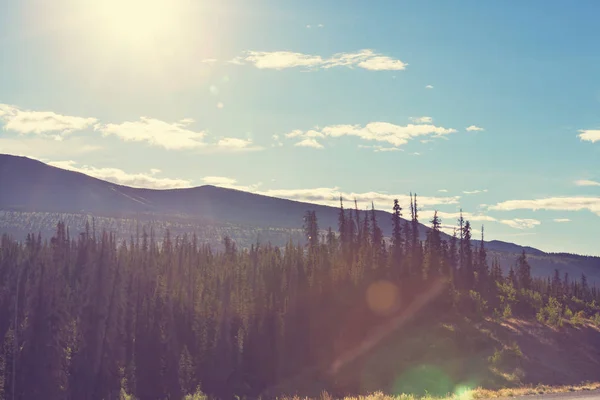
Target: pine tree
<point>556,285</point>
<point>466,256</point>
<point>482,265</point>
<point>523,272</point>
<point>512,278</point>
<point>433,246</point>
<point>397,238</point>
<point>311,230</point>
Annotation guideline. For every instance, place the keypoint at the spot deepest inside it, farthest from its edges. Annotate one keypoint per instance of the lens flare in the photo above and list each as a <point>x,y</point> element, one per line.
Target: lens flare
<point>382,297</point>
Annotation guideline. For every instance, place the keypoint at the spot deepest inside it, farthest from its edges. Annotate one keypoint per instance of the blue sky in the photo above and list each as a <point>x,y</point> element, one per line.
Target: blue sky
<point>307,100</point>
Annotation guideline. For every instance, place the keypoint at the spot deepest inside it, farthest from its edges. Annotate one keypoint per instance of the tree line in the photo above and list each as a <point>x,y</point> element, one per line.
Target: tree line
<point>86,317</point>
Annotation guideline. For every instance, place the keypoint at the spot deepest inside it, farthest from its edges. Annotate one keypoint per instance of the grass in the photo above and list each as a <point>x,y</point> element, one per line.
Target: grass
<point>469,394</point>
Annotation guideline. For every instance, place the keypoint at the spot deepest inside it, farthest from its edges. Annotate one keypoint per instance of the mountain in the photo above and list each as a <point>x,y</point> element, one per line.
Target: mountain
<point>35,196</point>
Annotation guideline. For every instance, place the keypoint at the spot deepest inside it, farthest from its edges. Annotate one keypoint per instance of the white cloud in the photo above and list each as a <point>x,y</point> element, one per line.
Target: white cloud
<point>474,128</point>
<point>366,59</point>
<point>42,147</point>
<point>443,190</point>
<point>209,60</point>
<point>429,87</point>
<point>380,149</point>
<point>229,183</point>
<point>519,223</point>
<point>561,220</point>
<point>416,154</point>
<point>589,135</point>
<point>277,140</point>
<point>454,216</point>
<point>422,120</point>
<point>552,203</point>
<point>376,131</point>
<point>171,136</point>
<point>585,182</point>
<point>308,26</point>
<point>41,122</point>
<point>474,191</point>
<point>220,105</point>
<point>218,180</point>
<point>331,197</point>
<point>309,142</point>
<point>320,26</point>
<point>236,144</point>
<point>120,177</point>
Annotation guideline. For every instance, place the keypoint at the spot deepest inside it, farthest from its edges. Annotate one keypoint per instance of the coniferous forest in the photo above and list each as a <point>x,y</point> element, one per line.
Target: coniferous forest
<point>83,316</point>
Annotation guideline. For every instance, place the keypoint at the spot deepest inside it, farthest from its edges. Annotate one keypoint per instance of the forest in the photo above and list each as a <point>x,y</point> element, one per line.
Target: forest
<point>83,316</point>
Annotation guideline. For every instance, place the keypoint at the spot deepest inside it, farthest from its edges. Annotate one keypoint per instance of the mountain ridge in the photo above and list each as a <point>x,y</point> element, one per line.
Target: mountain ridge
<point>30,186</point>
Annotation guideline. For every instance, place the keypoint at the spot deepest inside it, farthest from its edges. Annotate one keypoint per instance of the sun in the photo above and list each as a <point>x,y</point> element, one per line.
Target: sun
<point>137,22</point>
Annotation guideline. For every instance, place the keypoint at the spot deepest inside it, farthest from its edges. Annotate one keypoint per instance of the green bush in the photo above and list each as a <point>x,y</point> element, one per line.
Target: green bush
<point>578,318</point>
<point>568,313</point>
<point>596,319</point>
<point>478,303</point>
<point>510,357</point>
<point>551,314</point>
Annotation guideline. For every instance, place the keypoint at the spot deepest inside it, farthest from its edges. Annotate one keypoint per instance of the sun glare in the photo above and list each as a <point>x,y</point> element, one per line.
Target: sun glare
<point>138,22</point>
<point>138,43</point>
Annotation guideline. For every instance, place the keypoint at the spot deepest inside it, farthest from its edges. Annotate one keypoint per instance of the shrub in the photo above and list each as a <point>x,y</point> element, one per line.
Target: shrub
<point>596,319</point>
<point>578,318</point>
<point>478,303</point>
<point>509,357</point>
<point>568,313</point>
<point>551,314</point>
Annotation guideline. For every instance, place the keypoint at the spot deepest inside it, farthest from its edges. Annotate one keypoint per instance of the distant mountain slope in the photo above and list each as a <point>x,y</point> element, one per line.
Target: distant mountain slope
<point>34,196</point>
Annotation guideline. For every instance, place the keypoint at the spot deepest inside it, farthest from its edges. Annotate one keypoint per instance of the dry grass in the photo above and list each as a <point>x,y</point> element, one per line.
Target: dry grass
<point>469,394</point>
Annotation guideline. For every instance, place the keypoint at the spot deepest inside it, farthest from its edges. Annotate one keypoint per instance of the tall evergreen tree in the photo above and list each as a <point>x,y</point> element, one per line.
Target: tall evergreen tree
<point>524,272</point>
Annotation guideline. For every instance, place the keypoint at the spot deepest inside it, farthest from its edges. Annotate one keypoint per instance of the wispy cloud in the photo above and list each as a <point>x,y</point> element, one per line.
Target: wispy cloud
<point>366,59</point>
<point>474,191</point>
<point>474,128</point>
<point>447,217</point>
<point>395,135</point>
<point>443,190</point>
<point>236,144</point>
<point>589,135</point>
<point>429,87</point>
<point>276,141</point>
<point>331,197</point>
<point>553,203</point>
<point>41,122</point>
<point>380,149</point>
<point>218,180</point>
<point>230,183</point>
<point>309,142</point>
<point>171,136</point>
<point>561,220</point>
<point>453,217</point>
<point>519,223</point>
<point>42,147</point>
<point>586,182</point>
<point>120,177</point>
<point>422,120</point>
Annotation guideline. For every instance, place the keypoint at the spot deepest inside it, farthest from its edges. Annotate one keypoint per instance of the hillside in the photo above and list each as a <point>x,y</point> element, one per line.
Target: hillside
<point>35,196</point>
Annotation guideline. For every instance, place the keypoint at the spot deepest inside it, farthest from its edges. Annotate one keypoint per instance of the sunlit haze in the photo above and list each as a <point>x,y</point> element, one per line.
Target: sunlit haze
<point>479,105</point>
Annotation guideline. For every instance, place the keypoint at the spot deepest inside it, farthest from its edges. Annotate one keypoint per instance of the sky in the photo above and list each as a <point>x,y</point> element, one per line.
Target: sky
<point>488,107</point>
